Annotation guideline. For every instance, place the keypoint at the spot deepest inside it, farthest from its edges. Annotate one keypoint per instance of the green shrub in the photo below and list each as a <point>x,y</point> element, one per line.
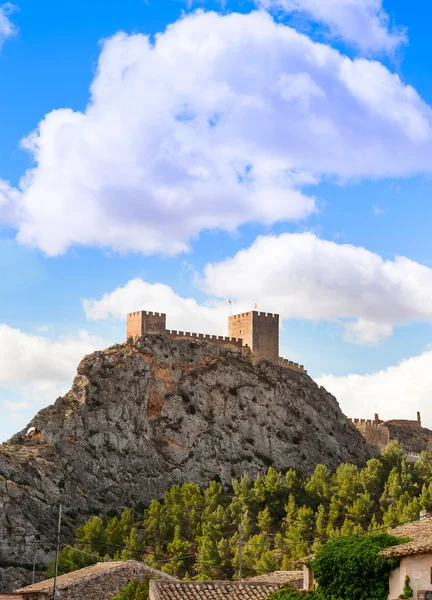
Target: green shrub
<point>352,568</point>
<point>289,593</point>
<point>135,590</point>
<point>407,590</point>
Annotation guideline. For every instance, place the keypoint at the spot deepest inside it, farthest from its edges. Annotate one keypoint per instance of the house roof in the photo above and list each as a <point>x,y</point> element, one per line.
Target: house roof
<point>278,577</point>
<point>420,534</point>
<point>88,573</point>
<point>211,590</point>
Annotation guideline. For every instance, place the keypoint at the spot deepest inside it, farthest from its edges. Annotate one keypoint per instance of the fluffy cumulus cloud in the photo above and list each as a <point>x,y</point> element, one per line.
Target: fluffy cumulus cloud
<point>184,314</point>
<point>389,393</point>
<point>301,275</point>
<point>35,369</point>
<point>7,28</point>
<point>298,276</point>
<point>219,121</point>
<point>363,23</point>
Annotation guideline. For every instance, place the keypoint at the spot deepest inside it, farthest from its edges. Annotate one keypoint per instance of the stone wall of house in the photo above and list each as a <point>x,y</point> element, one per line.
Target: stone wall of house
<point>418,568</point>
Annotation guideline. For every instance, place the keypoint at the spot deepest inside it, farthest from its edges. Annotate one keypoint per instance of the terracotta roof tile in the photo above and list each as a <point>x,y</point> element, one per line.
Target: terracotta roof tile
<point>212,590</point>
<point>88,573</point>
<point>420,533</point>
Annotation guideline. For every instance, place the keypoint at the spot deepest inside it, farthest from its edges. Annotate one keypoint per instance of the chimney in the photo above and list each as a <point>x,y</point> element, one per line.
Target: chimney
<point>419,418</point>
<point>376,418</point>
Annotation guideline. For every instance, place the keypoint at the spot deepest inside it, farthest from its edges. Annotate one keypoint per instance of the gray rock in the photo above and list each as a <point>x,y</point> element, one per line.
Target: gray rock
<point>144,415</point>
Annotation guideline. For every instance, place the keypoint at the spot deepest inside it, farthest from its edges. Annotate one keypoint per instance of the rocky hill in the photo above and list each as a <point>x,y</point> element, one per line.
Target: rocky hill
<point>142,416</point>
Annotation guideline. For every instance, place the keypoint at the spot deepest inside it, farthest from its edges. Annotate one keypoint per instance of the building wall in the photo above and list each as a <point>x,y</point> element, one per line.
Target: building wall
<point>418,568</point>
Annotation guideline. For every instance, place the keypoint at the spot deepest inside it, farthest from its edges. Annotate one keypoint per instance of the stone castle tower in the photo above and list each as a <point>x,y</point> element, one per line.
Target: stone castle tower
<point>259,331</point>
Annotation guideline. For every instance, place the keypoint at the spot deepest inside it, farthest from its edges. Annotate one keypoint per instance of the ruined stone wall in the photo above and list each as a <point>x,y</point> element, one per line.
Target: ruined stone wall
<point>265,332</point>
<point>374,432</point>
<point>405,423</point>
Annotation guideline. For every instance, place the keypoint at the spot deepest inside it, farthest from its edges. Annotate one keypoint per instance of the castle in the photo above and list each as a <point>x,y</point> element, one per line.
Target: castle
<point>410,434</point>
<point>253,335</point>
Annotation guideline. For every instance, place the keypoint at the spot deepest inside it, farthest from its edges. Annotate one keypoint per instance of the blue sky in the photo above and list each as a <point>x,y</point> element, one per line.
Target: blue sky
<point>279,157</point>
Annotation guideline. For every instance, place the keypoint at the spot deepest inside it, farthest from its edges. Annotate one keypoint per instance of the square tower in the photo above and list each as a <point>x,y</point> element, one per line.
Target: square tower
<point>260,331</point>
<point>143,322</point>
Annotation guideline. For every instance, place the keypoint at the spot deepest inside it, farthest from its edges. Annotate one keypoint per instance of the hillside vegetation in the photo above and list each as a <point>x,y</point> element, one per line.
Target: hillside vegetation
<point>194,533</point>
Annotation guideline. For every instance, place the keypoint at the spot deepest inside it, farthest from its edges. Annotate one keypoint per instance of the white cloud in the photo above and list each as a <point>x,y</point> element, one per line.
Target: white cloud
<point>366,332</point>
<point>221,121</point>
<point>25,358</point>
<point>9,203</point>
<point>363,23</point>
<point>300,275</point>
<point>396,392</point>
<point>35,370</point>
<point>183,314</point>
<point>297,276</point>
<point>7,28</point>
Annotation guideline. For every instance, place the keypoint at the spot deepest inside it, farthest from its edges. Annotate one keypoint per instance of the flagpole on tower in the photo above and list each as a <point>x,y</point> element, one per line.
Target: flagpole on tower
<point>230,303</point>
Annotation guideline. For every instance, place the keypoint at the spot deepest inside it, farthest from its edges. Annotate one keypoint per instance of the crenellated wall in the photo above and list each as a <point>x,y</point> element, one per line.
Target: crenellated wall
<point>253,334</point>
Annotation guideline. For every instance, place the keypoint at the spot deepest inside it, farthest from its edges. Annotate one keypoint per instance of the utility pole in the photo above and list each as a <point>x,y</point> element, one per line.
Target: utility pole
<point>34,561</point>
<point>57,552</point>
<point>240,552</point>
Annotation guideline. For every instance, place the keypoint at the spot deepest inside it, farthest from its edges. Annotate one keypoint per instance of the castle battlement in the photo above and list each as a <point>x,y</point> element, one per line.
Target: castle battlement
<point>253,334</point>
<point>146,313</point>
<point>379,433</point>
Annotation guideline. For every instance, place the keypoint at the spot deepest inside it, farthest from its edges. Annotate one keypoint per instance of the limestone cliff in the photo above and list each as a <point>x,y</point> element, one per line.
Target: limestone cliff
<point>140,417</point>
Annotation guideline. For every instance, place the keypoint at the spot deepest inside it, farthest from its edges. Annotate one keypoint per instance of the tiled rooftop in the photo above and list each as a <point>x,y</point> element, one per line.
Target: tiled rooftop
<point>420,533</point>
<point>212,590</point>
<point>65,581</point>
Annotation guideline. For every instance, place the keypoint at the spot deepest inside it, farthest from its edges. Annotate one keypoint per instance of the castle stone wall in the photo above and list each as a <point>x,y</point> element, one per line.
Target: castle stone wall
<point>289,364</point>
<point>240,326</point>
<point>234,344</point>
<point>254,335</point>
<point>142,322</point>
<point>265,342</point>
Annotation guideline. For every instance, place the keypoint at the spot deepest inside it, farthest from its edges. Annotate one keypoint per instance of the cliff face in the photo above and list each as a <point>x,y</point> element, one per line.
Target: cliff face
<point>144,416</point>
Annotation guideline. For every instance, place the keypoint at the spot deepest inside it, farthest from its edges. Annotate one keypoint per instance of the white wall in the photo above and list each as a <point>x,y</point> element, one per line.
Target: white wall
<point>418,568</point>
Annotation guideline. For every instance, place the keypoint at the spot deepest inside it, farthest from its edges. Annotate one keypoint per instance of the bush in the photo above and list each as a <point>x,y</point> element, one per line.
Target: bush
<point>352,568</point>
<point>407,591</point>
<point>135,590</point>
<point>289,593</point>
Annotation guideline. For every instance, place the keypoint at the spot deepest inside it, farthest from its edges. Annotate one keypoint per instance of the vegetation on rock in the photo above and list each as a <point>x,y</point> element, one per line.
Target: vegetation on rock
<point>194,533</point>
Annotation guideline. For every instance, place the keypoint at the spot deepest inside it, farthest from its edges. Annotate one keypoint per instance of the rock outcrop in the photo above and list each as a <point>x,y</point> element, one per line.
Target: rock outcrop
<point>145,415</point>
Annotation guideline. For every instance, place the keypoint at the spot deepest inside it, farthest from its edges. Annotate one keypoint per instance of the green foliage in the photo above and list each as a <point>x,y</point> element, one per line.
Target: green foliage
<point>288,593</point>
<point>135,590</point>
<point>352,568</point>
<point>407,590</point>
<point>194,533</point>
